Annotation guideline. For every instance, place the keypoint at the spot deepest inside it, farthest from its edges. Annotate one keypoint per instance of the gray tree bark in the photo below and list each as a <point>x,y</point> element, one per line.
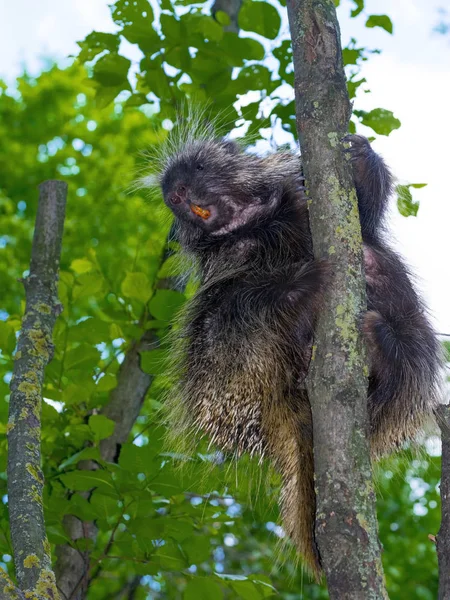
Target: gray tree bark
<point>346,525</point>
<point>34,351</point>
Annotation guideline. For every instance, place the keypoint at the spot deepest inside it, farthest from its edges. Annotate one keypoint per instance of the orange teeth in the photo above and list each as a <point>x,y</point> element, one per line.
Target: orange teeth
<point>204,213</point>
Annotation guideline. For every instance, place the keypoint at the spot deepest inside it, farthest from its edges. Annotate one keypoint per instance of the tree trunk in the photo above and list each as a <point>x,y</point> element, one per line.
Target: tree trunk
<point>34,351</point>
<point>346,525</point>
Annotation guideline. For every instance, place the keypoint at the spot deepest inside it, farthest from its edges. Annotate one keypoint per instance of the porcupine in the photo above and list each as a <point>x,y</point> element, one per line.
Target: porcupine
<point>246,334</point>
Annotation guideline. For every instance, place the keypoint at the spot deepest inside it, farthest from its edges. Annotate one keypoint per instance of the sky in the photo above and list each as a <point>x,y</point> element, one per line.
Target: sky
<point>411,77</point>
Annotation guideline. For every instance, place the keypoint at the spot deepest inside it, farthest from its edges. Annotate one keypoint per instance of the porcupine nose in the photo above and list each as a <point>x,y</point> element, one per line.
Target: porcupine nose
<point>180,195</point>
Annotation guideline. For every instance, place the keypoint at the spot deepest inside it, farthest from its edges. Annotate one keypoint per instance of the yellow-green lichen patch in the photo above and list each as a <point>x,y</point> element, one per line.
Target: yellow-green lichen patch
<point>10,426</point>
<point>18,355</point>
<point>32,377</point>
<point>333,139</point>
<point>35,473</point>
<point>40,343</point>
<point>36,433</point>
<point>47,547</point>
<point>27,388</point>
<point>331,250</point>
<point>46,585</point>
<point>45,309</point>
<point>31,561</point>
<point>34,495</point>
<point>24,413</point>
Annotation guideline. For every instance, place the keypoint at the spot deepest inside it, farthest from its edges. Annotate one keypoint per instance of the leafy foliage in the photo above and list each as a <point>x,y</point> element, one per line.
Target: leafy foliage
<point>201,531</point>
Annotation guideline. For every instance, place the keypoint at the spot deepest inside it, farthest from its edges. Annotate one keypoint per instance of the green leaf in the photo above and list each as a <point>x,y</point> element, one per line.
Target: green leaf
<point>104,506</point>
<point>85,454</point>
<point>238,49</point>
<point>198,548</point>
<point>82,481</point>
<point>97,42</point>
<point>101,426</point>
<point>83,356</point>
<point>87,284</point>
<point>350,56</point>
<point>7,338</point>
<point>353,85</point>
<point>76,394</point>
<point>264,585</point>
<point>359,8</point>
<point>283,53</point>
<point>382,121</point>
<point>202,588</point>
<point>405,203</point>
<point>382,21</point>
<point>171,28</point>
<point>260,17</point>
<point>222,17</point>
<point>210,28</point>
<point>173,266</point>
<point>165,304</point>
<point>138,459</point>
<point>111,71</point>
<point>170,557</point>
<point>106,383</point>
<point>127,12</point>
<point>82,265</point>
<point>154,362</point>
<point>245,590</point>
<point>92,331</point>
<point>137,286</point>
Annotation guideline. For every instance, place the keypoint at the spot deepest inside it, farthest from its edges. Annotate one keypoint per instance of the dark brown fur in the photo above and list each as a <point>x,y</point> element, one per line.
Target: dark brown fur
<point>246,335</point>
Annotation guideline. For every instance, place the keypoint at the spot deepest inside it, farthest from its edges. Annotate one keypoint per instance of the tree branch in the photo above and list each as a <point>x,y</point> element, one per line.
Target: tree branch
<point>443,537</point>
<point>346,526</point>
<point>34,351</point>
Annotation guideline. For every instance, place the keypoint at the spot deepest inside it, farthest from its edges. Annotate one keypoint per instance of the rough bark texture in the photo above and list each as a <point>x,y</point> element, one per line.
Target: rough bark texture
<point>443,537</point>
<point>34,350</point>
<point>346,526</point>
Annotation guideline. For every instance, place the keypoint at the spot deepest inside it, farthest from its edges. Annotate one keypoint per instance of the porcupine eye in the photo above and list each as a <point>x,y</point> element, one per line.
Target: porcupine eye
<point>199,167</point>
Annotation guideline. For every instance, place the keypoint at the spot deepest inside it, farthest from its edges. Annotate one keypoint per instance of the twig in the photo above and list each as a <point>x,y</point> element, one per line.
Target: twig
<point>34,351</point>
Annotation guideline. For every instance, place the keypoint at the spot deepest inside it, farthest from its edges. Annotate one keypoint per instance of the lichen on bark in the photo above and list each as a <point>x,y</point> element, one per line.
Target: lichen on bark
<point>34,349</point>
<point>346,526</point>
